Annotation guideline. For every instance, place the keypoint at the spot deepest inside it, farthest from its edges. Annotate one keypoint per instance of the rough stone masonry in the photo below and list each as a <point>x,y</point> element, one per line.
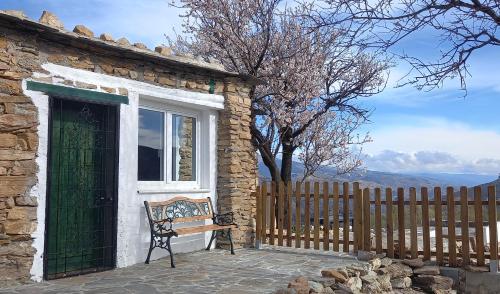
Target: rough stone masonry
<point>25,45</point>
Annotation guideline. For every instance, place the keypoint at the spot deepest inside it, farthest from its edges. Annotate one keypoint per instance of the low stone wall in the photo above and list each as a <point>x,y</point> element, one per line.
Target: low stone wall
<point>378,275</point>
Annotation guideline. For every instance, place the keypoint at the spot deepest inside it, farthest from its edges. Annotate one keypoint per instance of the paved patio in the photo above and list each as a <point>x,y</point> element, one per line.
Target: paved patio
<point>217,271</point>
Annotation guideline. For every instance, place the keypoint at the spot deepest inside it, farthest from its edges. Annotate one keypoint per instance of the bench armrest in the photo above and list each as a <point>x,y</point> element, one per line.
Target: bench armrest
<point>163,226</point>
<point>223,219</point>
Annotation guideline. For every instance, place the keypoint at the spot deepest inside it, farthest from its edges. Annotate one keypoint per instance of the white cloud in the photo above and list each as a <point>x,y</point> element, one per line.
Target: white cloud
<point>433,144</point>
<point>428,161</point>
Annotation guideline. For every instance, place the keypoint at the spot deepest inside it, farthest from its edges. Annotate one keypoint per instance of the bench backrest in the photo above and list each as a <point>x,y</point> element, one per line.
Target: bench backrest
<point>180,209</point>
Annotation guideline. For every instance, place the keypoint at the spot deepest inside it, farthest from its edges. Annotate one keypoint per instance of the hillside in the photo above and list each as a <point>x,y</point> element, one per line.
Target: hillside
<point>369,178</point>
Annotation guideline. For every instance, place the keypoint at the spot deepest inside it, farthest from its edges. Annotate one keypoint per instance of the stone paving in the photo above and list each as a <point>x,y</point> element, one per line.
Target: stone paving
<point>217,271</point>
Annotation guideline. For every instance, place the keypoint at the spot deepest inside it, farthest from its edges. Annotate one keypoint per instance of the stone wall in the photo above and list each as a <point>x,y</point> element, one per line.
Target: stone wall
<point>18,146</point>
<point>237,174</point>
<point>185,171</point>
<point>22,53</point>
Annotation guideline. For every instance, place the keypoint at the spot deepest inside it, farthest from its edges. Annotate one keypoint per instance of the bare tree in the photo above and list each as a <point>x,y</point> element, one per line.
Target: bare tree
<point>312,78</point>
<point>464,26</point>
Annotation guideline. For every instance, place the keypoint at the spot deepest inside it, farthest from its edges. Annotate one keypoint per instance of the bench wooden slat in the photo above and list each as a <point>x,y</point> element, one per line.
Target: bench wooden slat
<point>201,229</point>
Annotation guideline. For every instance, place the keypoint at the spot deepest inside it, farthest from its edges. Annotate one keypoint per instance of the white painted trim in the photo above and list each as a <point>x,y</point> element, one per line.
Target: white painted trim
<point>156,92</point>
<point>41,102</point>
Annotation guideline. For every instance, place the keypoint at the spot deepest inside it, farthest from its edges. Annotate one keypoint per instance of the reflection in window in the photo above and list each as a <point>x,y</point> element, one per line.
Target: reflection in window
<point>183,148</point>
<point>151,124</point>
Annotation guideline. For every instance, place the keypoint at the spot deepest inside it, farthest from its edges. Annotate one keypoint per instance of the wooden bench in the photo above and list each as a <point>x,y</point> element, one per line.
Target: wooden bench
<point>163,215</point>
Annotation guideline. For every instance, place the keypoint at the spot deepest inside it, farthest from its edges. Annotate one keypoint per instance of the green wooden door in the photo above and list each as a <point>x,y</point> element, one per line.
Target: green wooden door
<point>81,195</point>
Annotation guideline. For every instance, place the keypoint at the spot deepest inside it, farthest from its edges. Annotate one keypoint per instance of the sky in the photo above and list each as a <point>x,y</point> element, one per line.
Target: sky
<point>412,131</point>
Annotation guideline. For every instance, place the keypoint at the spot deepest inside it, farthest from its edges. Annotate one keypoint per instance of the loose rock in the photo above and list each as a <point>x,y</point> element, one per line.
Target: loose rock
<point>385,282</point>
<point>401,283</point>
<point>163,50</point>
<point>106,37</point>
<point>123,42</point>
<point>414,263</point>
<point>354,284</point>
<point>366,255</point>
<point>16,13</point>
<point>51,19</point>
<point>84,31</point>
<point>140,46</point>
<point>434,283</point>
<point>332,273</point>
<point>477,269</point>
<point>427,270</point>
<point>300,284</point>
<point>375,263</point>
<point>398,270</point>
<point>315,287</point>
<point>386,261</point>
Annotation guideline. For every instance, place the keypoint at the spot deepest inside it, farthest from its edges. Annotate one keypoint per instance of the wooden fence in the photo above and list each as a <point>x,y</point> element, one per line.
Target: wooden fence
<point>448,226</point>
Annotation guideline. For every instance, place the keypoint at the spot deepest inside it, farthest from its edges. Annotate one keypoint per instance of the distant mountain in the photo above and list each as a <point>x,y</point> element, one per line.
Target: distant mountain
<point>468,180</point>
<point>371,178</point>
<point>484,190</point>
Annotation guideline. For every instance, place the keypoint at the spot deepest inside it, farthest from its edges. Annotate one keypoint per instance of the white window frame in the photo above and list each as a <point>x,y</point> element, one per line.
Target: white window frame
<point>167,183</point>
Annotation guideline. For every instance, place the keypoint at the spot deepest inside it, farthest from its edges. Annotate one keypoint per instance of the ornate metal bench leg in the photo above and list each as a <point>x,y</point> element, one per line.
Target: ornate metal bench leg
<point>170,252</point>
<point>230,240</point>
<point>151,247</point>
<point>211,240</point>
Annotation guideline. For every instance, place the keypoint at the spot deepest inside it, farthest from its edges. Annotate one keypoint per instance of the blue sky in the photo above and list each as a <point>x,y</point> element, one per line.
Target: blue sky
<point>412,131</point>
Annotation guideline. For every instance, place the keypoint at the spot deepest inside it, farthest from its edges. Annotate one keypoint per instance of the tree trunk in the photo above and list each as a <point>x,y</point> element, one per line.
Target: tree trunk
<point>286,163</point>
<point>286,170</point>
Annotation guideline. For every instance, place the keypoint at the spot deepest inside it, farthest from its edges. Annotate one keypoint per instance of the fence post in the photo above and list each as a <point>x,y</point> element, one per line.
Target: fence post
<point>289,214</point>
<point>478,218</point>
<point>326,217</point>
<point>358,217</point>
<point>346,218</point>
<point>438,226</point>
<point>389,223</point>
<point>258,218</point>
<point>336,214</point>
<point>492,217</point>
<point>425,223</point>
<point>307,216</point>
<point>272,214</point>
<point>316,215</point>
<point>366,220</point>
<point>264,197</point>
<point>281,211</point>
<point>378,221</point>
<point>401,224</point>
<point>452,243</point>
<point>298,223</point>
<point>464,214</point>
<point>413,223</point>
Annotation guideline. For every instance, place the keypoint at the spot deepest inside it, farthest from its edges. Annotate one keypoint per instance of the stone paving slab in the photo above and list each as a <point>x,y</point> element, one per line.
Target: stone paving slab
<point>217,271</point>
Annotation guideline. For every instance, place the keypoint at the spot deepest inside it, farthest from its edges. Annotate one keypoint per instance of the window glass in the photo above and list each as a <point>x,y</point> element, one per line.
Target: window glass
<point>183,148</point>
<point>151,132</point>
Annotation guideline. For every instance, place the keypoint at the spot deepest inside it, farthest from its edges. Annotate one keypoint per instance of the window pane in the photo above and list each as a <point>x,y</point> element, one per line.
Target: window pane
<point>151,130</point>
<point>183,148</point>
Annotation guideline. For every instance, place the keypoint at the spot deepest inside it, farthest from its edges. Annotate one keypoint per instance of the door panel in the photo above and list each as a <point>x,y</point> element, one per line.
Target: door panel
<point>81,195</point>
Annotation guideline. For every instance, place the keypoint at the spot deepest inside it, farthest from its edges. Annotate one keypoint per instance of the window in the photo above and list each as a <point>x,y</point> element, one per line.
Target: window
<point>168,148</point>
<point>151,151</point>
<point>183,148</point>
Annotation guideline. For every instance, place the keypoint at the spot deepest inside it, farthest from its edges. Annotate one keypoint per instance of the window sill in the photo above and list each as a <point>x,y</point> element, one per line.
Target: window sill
<point>170,191</point>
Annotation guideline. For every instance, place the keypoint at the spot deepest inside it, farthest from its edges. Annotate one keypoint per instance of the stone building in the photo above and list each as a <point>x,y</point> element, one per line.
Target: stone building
<point>91,127</point>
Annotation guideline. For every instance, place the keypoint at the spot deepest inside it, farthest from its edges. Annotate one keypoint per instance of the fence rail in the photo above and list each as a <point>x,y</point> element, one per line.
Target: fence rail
<point>453,227</point>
